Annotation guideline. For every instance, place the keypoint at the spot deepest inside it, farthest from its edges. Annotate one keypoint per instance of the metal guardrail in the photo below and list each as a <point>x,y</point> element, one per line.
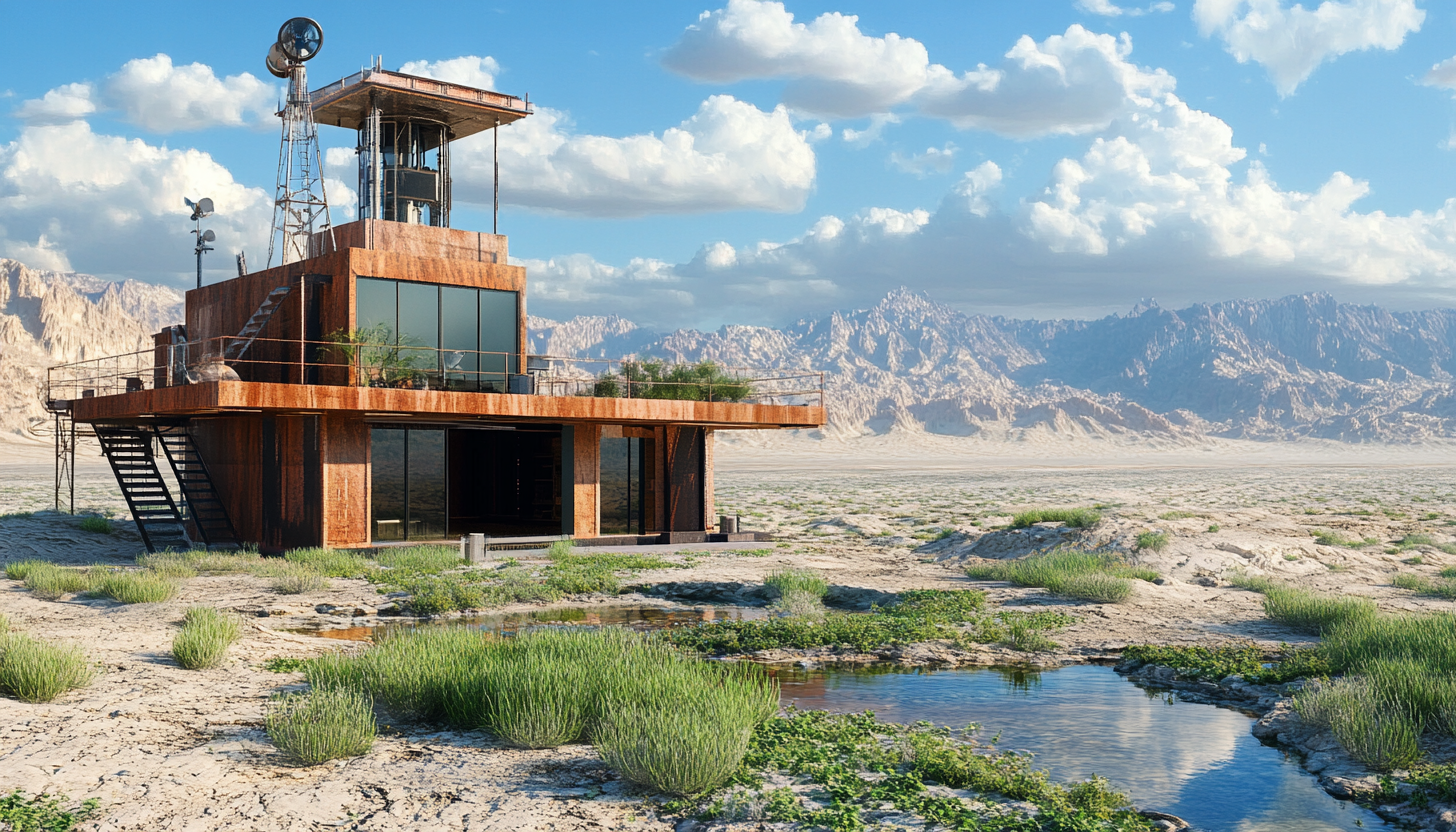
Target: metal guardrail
<point>398,366</point>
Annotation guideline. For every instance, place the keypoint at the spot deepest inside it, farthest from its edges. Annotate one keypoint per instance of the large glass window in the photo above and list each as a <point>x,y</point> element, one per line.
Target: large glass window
<point>387,483</point>
<point>622,472</point>
<point>426,484</point>
<point>459,331</point>
<point>469,336</point>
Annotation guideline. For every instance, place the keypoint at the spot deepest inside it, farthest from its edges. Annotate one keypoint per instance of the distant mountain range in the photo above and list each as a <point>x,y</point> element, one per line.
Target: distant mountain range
<point>1299,367</point>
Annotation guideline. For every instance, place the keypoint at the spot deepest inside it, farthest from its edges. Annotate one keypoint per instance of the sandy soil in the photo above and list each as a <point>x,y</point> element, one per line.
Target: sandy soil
<point>165,748</point>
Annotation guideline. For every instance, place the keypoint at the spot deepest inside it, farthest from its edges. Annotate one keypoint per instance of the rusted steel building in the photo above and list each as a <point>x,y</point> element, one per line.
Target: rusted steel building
<point>380,389</point>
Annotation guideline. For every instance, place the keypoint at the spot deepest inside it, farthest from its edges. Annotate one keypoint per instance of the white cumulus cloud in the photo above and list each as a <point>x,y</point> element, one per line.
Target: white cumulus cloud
<point>70,197</point>
<point>933,160</point>
<point>156,95</point>
<point>1442,74</point>
<point>1107,8</point>
<point>470,70</point>
<point>728,156</point>
<point>836,70</point>
<point>1290,42</point>
<point>1071,83</point>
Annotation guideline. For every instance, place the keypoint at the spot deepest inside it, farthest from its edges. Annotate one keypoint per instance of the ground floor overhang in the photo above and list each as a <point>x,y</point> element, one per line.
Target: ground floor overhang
<point>224,397</point>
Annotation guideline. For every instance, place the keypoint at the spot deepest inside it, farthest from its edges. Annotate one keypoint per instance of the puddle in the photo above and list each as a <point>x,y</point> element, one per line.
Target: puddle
<point>1195,761</point>
<point>636,618</point>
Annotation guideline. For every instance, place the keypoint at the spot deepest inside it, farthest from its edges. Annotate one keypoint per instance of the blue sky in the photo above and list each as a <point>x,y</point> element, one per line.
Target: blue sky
<point>748,162</point>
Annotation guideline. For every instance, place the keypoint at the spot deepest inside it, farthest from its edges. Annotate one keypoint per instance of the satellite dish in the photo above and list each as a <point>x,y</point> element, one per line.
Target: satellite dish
<point>300,39</point>
<point>277,62</point>
<point>204,206</point>
<point>208,236</point>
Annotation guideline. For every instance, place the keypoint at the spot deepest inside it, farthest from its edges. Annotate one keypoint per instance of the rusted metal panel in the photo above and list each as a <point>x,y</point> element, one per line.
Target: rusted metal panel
<point>586,473</point>
<point>345,455</point>
<point>685,459</point>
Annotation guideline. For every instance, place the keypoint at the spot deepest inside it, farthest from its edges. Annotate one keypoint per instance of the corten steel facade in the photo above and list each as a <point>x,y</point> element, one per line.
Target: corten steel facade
<point>292,441</point>
<point>381,389</point>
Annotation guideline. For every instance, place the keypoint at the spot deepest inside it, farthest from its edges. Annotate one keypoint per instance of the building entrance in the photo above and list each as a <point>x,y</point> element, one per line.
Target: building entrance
<point>429,483</point>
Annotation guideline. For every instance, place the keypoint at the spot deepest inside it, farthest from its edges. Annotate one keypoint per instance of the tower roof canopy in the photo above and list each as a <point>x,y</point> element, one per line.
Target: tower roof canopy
<point>466,110</point>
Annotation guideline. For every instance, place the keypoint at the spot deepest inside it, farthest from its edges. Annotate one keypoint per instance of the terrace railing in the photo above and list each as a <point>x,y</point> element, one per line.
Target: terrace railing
<point>401,366</point>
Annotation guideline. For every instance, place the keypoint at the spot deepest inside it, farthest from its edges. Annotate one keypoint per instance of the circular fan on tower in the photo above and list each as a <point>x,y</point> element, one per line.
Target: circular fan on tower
<point>300,39</point>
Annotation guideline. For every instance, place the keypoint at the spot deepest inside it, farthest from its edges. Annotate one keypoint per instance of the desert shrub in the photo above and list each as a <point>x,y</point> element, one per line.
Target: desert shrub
<point>298,579</point>
<point>322,725</point>
<point>1373,728</point>
<point>805,581</point>
<point>1440,588</point>
<point>796,602</point>
<point>48,581</point>
<point>18,570</point>
<point>1327,537</point>
<point>1102,577</point>
<point>36,671</point>
<point>1025,636</point>
<point>175,569</point>
<point>143,587</point>
<point>96,524</point>
<point>545,688</point>
<point>204,638</point>
<point>1309,612</point>
<point>1155,541</point>
<point>330,563</point>
<point>430,560</point>
<point>683,750</point>
<point>42,813</point>
<point>1076,518</point>
<point>1177,515</point>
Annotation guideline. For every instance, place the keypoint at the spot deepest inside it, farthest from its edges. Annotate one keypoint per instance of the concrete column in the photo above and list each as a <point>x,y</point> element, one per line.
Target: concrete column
<point>586,472</point>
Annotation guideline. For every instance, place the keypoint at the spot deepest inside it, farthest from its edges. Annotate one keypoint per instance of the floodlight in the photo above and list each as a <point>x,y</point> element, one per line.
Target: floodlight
<point>277,62</point>
<point>300,39</point>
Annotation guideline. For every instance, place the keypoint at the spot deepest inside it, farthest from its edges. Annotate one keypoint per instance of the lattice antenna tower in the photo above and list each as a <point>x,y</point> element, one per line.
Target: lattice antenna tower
<point>300,206</point>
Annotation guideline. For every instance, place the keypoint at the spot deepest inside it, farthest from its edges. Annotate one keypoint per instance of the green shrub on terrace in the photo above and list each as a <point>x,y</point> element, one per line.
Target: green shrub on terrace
<point>652,379</point>
<point>1076,518</point>
<point>32,670</point>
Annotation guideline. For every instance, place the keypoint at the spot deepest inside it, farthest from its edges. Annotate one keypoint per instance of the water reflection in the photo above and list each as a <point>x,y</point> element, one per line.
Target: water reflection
<point>1195,761</point>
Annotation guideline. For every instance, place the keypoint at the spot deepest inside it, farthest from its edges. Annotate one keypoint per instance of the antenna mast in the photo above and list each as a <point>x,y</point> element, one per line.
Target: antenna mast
<point>300,206</point>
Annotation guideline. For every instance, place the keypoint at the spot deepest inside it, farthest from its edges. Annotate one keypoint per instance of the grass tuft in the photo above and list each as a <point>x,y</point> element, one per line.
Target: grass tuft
<point>96,524</point>
<point>1100,577</point>
<point>18,570</point>
<point>1154,541</point>
<point>802,581</point>
<point>323,725</point>
<point>49,582</point>
<point>42,813</point>
<point>328,563</point>
<point>1076,518</point>
<point>298,579</point>
<point>1311,613</point>
<point>144,587</point>
<point>205,637</point>
<point>36,671</point>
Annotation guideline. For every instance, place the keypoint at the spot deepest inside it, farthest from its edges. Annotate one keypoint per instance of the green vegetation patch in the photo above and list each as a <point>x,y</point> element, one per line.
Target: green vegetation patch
<point>285,664</point>
<point>642,703</point>
<point>1097,576</point>
<point>1421,585</point>
<point>1154,541</point>
<point>32,670</point>
<point>1327,537</point>
<point>96,524</point>
<point>133,587</point>
<point>205,637</point>
<point>43,812</point>
<point>49,582</point>
<point>1076,518</point>
<point>860,769</point>
<point>322,725</point>
<point>1239,659</point>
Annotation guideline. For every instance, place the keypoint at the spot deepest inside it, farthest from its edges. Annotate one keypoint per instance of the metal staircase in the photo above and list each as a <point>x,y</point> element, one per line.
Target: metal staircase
<point>129,450</point>
<point>239,345</point>
<point>203,502</point>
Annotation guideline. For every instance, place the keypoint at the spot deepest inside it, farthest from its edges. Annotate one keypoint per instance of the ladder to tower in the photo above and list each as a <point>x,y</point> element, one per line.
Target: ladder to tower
<point>249,333</point>
<point>204,504</point>
<point>129,451</point>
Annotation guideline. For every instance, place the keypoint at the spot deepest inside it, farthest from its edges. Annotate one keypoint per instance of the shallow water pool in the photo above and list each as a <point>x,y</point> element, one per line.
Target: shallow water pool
<point>1198,762</point>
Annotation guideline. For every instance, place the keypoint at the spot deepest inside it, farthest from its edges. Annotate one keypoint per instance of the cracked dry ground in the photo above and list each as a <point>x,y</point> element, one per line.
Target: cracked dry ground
<point>168,749</point>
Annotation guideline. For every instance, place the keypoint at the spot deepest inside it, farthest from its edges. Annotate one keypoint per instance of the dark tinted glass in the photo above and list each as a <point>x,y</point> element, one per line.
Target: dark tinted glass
<point>419,326</point>
<point>426,484</point>
<point>388,483</point>
<point>459,332</point>
<point>497,335</point>
<point>621,477</point>
<point>375,304</point>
